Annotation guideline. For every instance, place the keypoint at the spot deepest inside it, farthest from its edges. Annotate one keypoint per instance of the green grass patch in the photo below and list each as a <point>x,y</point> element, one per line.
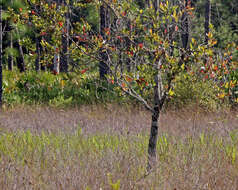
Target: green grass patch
<point>76,161</point>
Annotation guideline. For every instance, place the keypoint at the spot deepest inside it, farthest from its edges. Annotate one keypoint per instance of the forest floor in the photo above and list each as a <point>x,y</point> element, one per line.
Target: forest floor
<point>105,147</point>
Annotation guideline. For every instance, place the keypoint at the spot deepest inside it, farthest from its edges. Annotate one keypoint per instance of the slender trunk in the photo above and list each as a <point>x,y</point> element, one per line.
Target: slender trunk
<point>1,90</point>
<point>37,61</point>
<point>104,24</point>
<point>64,61</point>
<point>20,58</point>
<point>128,44</point>
<point>10,57</point>
<point>153,138</point>
<point>158,94</point>
<point>159,98</point>
<point>155,2</point>
<point>56,61</point>
<point>185,32</point>
<point>185,28</point>
<point>207,19</point>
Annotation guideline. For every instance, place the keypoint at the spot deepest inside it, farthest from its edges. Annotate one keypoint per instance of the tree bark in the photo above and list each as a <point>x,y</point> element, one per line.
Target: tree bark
<point>20,58</point>
<point>104,24</point>
<point>159,99</point>
<point>207,19</point>
<point>64,61</point>
<point>185,27</point>
<point>1,89</point>
<point>56,68</point>
<point>10,57</point>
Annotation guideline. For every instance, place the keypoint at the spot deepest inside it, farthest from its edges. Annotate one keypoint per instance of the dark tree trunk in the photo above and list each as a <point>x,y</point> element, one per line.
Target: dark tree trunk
<point>185,27</point>
<point>10,57</point>
<point>20,57</point>
<point>104,24</point>
<point>153,137</point>
<point>64,60</point>
<point>185,32</point>
<point>1,90</point>
<point>207,19</point>
<point>159,99</point>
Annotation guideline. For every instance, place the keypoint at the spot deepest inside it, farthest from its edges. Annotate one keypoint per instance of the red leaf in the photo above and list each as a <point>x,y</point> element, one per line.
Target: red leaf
<point>123,13</point>
<point>215,68</point>
<point>129,79</point>
<point>43,33</point>
<point>83,71</point>
<point>60,24</point>
<point>55,72</point>
<point>176,28</point>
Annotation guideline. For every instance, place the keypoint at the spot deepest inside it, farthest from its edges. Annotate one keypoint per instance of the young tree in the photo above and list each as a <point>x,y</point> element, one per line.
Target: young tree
<point>153,36</point>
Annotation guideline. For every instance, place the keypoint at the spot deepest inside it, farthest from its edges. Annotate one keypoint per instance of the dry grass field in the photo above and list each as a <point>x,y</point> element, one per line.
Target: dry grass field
<point>98,147</point>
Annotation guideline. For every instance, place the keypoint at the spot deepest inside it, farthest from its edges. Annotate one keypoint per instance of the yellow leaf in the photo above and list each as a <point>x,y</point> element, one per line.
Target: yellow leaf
<point>209,35</point>
<point>214,42</point>
<point>221,96</point>
<point>171,92</point>
<point>183,66</point>
<point>62,83</point>
<point>175,16</point>
<point>227,85</point>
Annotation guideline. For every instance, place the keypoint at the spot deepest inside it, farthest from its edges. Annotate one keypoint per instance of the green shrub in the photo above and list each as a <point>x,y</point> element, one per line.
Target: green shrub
<point>189,90</point>
<point>77,89</point>
<point>58,90</point>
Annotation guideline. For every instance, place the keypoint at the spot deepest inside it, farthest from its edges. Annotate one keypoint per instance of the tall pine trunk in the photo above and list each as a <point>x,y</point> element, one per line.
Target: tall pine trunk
<point>64,60</point>
<point>104,25</point>
<point>10,57</point>
<point>1,89</point>
<point>185,27</point>
<point>20,58</point>
<point>207,19</point>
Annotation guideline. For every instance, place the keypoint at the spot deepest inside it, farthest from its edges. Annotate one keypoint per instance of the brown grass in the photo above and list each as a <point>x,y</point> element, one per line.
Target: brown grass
<point>114,118</point>
<point>183,165</point>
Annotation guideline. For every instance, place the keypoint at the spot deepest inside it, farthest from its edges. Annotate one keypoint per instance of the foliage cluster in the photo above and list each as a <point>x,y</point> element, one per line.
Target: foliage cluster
<point>141,41</point>
<point>60,90</point>
<point>81,89</point>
